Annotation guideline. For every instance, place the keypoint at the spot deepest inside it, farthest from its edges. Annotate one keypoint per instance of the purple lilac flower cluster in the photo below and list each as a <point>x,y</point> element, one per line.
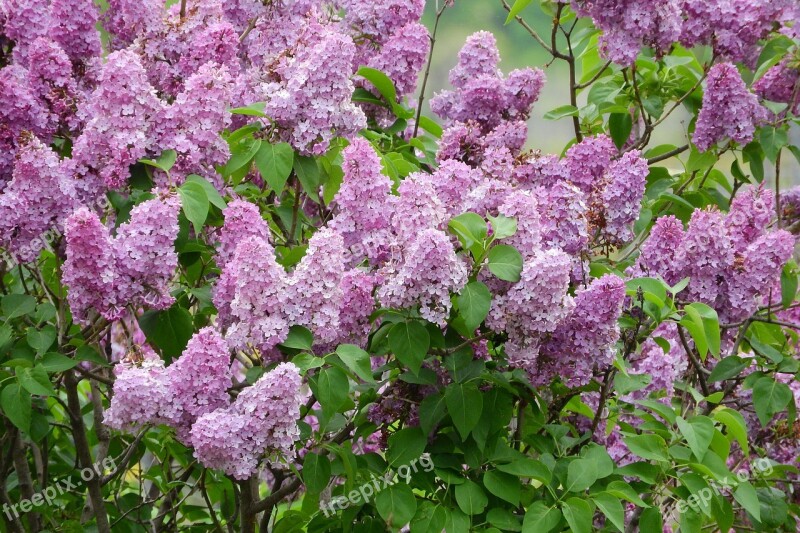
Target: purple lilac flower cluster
<point>732,27</point>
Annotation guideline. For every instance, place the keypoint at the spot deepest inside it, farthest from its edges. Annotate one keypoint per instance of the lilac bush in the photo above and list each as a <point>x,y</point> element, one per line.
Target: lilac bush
<point>243,266</point>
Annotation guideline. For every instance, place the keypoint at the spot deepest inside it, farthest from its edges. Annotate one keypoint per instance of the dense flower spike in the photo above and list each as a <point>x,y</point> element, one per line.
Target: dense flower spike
<point>26,21</point>
<point>125,20</point>
<point>587,161</point>
<point>481,93</point>
<point>91,272</point>
<point>141,390</point>
<point>145,246</point>
<point>628,25</point>
<point>35,203</point>
<point>198,381</point>
<point>72,25</point>
<point>313,104</point>
<point>263,419</point>
<point>658,255</point>
<point>133,269</point>
<point>118,116</point>
<point>533,306</point>
<point>51,79</point>
<point>242,220</point>
<point>585,339</point>
<point>621,197</point>
<point>729,110</point>
<point>430,271</point>
<point>363,217</point>
<point>250,296</point>
<point>191,124</point>
<point>20,110</point>
<point>314,295</point>
<point>778,85</point>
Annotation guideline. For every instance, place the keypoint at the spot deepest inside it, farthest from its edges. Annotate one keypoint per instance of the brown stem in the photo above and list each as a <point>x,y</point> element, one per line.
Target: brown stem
<point>427,70</point>
<point>24,478</point>
<point>778,189</point>
<point>248,511</point>
<point>83,452</point>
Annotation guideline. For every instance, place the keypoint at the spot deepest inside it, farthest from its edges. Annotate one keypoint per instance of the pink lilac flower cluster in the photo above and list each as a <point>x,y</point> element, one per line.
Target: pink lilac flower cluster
<point>732,27</point>
<point>258,300</point>
<point>780,84</point>
<point>173,74</point>
<point>132,269</point>
<point>145,392</point>
<point>262,420</point>
<point>481,94</point>
<point>733,260</point>
<point>35,202</point>
<point>592,191</point>
<point>730,110</point>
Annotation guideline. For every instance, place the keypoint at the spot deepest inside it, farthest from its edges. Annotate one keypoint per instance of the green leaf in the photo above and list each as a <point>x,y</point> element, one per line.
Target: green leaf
<point>788,284</point>
<point>16,305</point>
<point>470,229</point>
<point>356,360</point>
<point>737,428</point>
<point>275,162</point>
<point>41,340</point>
<point>699,432</point>
<point>581,474</point>
<point>769,398</point>
<point>164,162</point>
<point>316,472</point>
<point>702,323</point>
<point>307,361</point>
<point>470,498</point>
<point>474,303</point>
<point>561,112</point>
<point>579,514</point>
<point>299,338</point>
<point>728,368</point>
<point>396,504</point>
<point>410,342</point>
<point>611,506</point>
<point>431,411</point>
<point>36,381</point>
<point>332,388</point>
<point>504,486</point>
<point>502,226</point>
<point>505,262</point>
<point>381,82</point>
<point>540,518</point>
<point>464,405</point>
<point>168,329</point>
<point>195,204</point>
<point>503,519</point>
<point>54,362</point>
<point>651,520</point>
<point>747,497</point>
<point>650,447</point>
<point>211,192</point>
<point>309,175</point>
<point>16,403</point>
<point>527,467</point>
<point>430,126</point>
<point>773,140</point>
<point>429,519</point>
<point>620,126</point>
<point>405,446</point>
<point>252,110</point>
<point>516,9</point>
